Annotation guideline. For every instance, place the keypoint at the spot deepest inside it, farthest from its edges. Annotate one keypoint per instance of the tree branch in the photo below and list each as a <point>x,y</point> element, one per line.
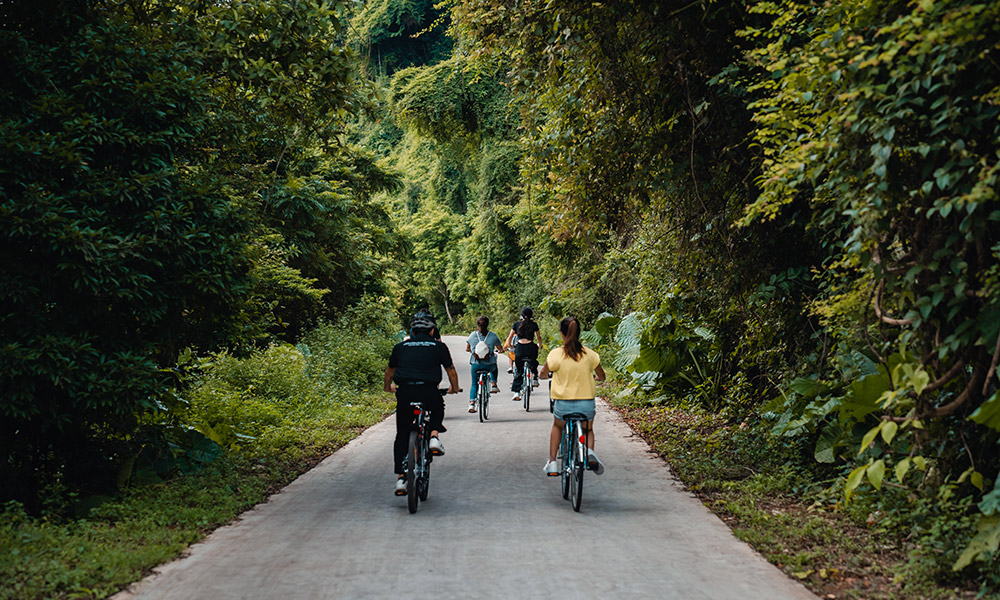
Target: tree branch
<point>878,309</point>
<point>948,376</point>
<point>993,367</point>
<point>947,409</point>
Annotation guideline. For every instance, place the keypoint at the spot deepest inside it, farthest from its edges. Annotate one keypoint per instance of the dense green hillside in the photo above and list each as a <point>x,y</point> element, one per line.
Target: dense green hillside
<point>780,217</point>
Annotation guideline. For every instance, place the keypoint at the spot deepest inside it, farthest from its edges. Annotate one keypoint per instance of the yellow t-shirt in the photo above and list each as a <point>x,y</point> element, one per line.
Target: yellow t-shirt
<point>573,379</point>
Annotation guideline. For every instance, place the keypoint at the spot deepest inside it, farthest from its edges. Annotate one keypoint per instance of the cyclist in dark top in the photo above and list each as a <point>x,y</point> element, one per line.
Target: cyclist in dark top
<point>522,340</point>
<point>413,374</point>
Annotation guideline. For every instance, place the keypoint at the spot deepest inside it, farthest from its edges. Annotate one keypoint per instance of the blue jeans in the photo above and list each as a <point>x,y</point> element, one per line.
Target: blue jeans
<point>475,368</point>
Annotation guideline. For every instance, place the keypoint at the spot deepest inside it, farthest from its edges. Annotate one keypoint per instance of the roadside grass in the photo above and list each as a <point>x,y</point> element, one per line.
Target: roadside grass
<point>765,491</point>
<point>121,540</point>
<point>275,413</point>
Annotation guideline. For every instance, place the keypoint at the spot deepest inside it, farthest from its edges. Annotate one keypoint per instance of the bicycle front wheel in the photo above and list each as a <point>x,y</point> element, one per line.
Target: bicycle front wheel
<point>413,456</point>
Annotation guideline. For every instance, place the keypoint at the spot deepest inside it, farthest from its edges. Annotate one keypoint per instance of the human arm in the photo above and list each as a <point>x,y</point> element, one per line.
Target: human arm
<point>544,373</point>
<point>387,383</point>
<point>452,380</point>
<point>510,338</point>
<point>599,372</point>
<point>498,345</point>
<point>538,334</point>
<point>468,348</point>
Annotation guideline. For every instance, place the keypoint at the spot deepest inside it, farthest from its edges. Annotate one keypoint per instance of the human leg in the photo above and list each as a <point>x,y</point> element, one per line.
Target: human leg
<point>474,370</point>
<point>516,385</point>
<point>594,463</point>
<point>434,404</point>
<point>530,351</point>
<point>404,418</point>
<point>551,468</point>
<point>555,436</point>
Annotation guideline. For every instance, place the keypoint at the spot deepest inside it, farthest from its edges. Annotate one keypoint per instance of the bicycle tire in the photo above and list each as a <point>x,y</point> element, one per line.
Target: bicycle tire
<point>526,387</point>
<point>579,465</point>
<point>576,491</point>
<point>565,465</point>
<point>412,456</point>
<point>424,483</point>
<point>481,395</point>
<point>486,406</point>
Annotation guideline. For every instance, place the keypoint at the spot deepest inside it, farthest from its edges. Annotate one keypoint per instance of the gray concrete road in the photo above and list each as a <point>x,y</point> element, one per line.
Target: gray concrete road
<point>493,526</point>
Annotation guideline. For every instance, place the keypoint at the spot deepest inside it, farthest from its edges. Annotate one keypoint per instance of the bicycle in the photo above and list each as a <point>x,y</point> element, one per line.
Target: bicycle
<point>418,457</point>
<point>526,385</point>
<point>483,395</point>
<point>573,455</point>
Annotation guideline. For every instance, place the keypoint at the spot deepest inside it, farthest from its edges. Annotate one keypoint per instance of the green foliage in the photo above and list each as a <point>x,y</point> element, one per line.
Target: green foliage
<point>117,248</point>
<point>352,354</point>
<point>151,153</point>
<point>280,294</point>
<point>337,235</point>
<point>282,394</point>
<point>814,184</point>
<point>277,411</point>
<point>887,123</point>
<point>395,34</point>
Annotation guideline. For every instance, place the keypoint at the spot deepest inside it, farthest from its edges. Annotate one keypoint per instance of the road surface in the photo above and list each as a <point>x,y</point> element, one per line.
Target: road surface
<point>493,526</point>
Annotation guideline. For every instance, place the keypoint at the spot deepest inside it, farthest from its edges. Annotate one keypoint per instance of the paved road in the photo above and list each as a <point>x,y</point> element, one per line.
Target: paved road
<point>493,527</point>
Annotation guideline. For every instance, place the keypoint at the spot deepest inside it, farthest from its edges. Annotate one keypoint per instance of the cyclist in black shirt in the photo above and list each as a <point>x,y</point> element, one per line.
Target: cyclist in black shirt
<point>522,340</point>
<point>413,374</point>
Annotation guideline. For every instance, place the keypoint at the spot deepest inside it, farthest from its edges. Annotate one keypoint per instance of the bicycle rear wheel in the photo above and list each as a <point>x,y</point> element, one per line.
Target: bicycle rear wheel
<point>413,455</point>
<point>485,410</point>
<point>579,464</point>
<point>424,481</point>
<point>526,389</point>
<point>565,464</point>
<point>479,402</point>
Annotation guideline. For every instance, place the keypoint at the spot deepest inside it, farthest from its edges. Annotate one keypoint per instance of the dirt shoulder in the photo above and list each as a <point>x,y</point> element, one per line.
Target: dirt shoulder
<point>778,509</point>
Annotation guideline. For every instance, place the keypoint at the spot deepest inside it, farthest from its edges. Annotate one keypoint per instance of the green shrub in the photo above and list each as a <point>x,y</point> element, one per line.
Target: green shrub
<point>352,353</point>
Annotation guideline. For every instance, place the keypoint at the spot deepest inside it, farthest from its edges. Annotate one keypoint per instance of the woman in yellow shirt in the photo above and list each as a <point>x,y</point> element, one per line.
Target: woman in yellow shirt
<point>573,368</point>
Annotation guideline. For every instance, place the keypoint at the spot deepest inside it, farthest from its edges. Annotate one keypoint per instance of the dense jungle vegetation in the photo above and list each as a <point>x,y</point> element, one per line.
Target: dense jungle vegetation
<point>780,219</point>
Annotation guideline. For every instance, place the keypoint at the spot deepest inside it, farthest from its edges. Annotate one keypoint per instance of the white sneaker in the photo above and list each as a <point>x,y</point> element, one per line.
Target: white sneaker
<point>472,407</point>
<point>494,389</point>
<point>401,486</point>
<point>594,463</point>
<point>534,382</point>
<point>551,468</point>
<point>437,449</point>
<point>516,398</point>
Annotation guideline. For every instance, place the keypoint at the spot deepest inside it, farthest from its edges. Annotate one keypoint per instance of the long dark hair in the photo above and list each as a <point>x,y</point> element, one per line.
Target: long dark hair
<point>570,328</point>
<point>483,324</point>
<point>526,314</point>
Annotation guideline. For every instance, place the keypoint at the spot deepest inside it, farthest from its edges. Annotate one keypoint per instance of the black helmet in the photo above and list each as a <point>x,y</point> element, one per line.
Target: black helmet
<point>526,312</point>
<point>423,322</point>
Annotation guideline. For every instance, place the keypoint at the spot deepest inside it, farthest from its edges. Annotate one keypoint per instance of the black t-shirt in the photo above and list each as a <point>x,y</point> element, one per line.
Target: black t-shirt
<point>527,332</point>
<point>419,360</point>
